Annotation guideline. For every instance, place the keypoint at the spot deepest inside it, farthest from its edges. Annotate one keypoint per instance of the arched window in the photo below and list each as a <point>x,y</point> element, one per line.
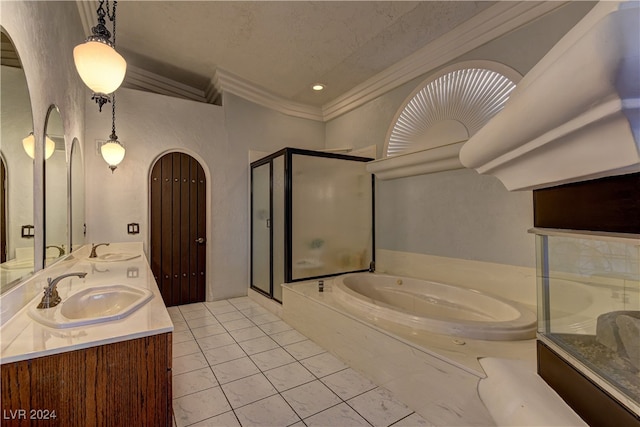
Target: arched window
<point>450,106</point>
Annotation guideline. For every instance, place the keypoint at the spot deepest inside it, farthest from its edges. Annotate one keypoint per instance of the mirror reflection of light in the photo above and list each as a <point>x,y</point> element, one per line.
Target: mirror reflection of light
<point>29,143</point>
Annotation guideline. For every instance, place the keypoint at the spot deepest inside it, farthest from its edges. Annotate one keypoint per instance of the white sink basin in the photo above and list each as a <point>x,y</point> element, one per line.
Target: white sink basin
<point>115,257</point>
<point>93,305</point>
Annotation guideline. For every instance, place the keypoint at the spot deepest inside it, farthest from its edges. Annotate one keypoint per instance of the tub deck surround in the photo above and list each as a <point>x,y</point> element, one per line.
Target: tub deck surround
<point>24,338</point>
<point>461,353</point>
<point>436,375</point>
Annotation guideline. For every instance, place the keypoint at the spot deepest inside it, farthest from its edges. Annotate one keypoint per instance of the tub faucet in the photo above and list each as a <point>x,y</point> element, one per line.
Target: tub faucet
<point>93,249</point>
<point>51,297</point>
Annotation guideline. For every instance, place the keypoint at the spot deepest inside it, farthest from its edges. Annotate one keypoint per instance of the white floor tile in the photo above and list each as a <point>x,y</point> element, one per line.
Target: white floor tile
<point>180,326</point>
<point>289,376</point>
<point>194,314</point>
<point>323,364</point>
<point>202,321</point>
<point>379,408</point>
<point>215,341</point>
<point>227,317</point>
<point>288,337</point>
<point>191,382</point>
<point>258,345</point>
<point>413,420</point>
<point>261,319</point>
<point>234,370</point>
<point>218,355</point>
<point>188,363</point>
<point>184,348</point>
<point>228,419</point>
<point>178,337</point>
<point>252,312</point>
<point>311,398</point>
<point>222,309</point>
<point>234,325</point>
<point>348,383</point>
<point>206,331</point>
<point>340,415</point>
<point>248,390</point>
<point>272,359</point>
<point>219,303</point>
<point>275,327</point>
<point>304,349</point>
<point>269,412</point>
<point>242,302</point>
<point>247,334</point>
<point>191,307</point>
<point>199,406</point>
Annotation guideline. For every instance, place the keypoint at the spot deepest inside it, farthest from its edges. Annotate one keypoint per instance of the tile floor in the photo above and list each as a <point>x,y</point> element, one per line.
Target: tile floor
<point>237,364</point>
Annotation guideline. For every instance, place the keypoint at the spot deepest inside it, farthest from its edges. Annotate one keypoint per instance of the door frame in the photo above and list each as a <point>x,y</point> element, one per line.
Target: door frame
<point>208,195</point>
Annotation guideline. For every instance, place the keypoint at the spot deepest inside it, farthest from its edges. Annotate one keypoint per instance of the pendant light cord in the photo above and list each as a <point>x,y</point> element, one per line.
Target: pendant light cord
<point>112,18</point>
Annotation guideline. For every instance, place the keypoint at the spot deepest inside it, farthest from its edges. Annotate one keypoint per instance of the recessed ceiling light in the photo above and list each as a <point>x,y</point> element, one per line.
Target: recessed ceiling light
<point>318,87</point>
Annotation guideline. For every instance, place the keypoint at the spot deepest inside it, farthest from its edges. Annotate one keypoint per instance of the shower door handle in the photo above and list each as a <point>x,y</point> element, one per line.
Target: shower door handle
<point>268,222</point>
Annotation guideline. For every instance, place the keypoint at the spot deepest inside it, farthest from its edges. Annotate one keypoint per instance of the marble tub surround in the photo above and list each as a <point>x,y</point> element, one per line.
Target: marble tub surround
<point>455,352</point>
<point>237,364</point>
<point>24,338</point>
<point>511,282</point>
<point>517,396</point>
<point>438,378</point>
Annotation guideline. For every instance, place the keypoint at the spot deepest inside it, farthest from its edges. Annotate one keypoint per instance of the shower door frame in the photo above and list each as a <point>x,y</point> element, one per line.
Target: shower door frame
<point>288,154</point>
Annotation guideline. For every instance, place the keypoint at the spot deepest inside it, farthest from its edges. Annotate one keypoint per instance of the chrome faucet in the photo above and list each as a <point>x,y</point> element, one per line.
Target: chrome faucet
<point>51,297</point>
<point>59,248</point>
<point>93,249</point>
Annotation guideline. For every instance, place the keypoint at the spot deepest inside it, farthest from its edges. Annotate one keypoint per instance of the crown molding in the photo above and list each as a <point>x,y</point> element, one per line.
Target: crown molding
<point>489,24</point>
<point>138,78</point>
<point>87,11</point>
<point>224,81</point>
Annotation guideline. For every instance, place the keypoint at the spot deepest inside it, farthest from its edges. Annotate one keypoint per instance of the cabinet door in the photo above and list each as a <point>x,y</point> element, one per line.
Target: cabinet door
<point>261,228</point>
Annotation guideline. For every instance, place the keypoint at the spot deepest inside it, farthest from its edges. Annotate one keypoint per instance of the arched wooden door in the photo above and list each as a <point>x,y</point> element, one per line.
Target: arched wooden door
<point>178,228</point>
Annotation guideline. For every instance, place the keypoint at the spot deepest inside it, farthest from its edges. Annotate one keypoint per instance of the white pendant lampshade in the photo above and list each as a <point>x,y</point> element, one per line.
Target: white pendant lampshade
<point>100,66</point>
<point>29,145</point>
<point>112,153</point>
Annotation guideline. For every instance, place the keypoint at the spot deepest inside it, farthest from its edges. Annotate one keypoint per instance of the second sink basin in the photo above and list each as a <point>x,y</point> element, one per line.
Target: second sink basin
<point>93,305</point>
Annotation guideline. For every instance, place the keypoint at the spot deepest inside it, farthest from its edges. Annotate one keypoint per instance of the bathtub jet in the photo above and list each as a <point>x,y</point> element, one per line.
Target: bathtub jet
<point>435,307</point>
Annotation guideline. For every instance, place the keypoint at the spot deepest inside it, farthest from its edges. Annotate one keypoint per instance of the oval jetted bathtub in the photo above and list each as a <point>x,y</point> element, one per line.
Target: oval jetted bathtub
<point>435,307</point>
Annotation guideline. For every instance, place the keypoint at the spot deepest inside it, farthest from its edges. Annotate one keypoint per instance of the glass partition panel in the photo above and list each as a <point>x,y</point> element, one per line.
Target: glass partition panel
<point>589,304</point>
<point>331,216</point>
<point>260,228</point>
<point>278,223</point>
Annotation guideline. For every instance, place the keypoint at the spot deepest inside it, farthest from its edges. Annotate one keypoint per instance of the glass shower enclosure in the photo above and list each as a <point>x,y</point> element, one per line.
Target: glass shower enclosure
<point>311,217</point>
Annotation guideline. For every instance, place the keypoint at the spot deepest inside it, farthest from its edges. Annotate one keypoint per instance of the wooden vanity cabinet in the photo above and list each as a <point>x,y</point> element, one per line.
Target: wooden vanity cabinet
<point>126,383</point>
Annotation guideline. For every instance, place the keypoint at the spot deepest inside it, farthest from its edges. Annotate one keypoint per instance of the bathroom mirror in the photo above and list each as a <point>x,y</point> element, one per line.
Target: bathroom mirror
<point>76,189</point>
<point>56,197</point>
<point>16,189</point>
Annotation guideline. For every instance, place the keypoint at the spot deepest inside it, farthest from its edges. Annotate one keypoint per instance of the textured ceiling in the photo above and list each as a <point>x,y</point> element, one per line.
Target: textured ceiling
<point>282,47</point>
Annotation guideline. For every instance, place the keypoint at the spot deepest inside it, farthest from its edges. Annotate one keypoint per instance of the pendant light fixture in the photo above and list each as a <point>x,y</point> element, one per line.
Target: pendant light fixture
<point>29,145</point>
<point>112,150</point>
<point>99,65</point>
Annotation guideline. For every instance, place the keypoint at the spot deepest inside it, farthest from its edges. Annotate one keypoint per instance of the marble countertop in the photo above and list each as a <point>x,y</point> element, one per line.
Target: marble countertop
<point>23,338</point>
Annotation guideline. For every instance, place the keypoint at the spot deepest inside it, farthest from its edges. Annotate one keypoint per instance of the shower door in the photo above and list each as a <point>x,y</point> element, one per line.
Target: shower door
<point>261,228</point>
